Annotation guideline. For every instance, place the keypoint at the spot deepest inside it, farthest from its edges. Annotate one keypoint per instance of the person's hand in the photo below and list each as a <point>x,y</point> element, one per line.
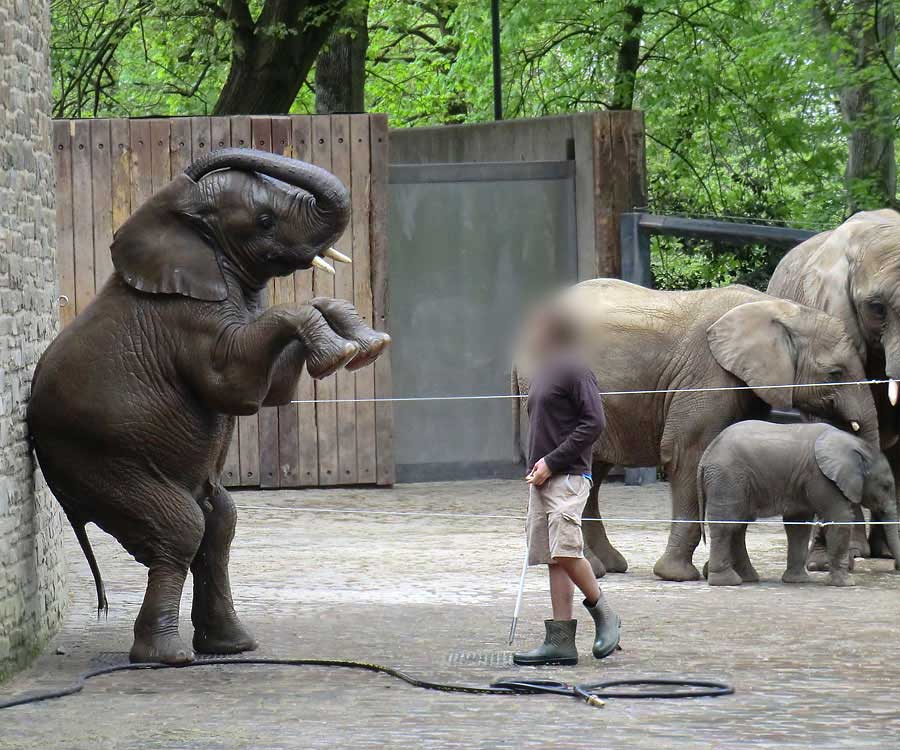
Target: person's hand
<point>539,473</point>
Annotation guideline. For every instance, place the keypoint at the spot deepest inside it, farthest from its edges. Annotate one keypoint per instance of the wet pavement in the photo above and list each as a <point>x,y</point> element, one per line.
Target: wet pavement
<point>813,666</point>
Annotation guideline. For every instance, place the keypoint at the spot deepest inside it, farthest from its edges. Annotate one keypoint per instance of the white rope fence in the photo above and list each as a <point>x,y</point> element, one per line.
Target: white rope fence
<point>498,396</point>
<point>489,516</point>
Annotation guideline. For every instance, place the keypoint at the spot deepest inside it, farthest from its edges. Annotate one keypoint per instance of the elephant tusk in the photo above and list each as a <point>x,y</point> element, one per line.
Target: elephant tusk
<point>893,392</point>
<point>322,265</point>
<point>855,426</point>
<point>337,255</point>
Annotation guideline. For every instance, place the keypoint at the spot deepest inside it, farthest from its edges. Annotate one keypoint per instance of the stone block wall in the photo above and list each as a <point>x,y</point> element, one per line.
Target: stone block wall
<point>32,588</point>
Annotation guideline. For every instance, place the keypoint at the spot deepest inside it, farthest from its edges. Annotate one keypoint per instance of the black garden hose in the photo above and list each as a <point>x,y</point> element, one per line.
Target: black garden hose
<point>591,693</point>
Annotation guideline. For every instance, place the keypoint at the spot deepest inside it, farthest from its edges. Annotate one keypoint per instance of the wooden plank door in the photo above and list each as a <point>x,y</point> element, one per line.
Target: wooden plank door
<point>107,168</point>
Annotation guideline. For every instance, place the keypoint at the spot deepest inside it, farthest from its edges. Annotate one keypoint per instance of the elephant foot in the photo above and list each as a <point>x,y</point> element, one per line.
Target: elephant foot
<point>727,577</point>
<point>598,568</point>
<point>878,547</point>
<point>672,568</point>
<point>370,348</point>
<point>817,559</point>
<point>795,576</point>
<point>225,637</point>
<point>747,573</point>
<point>840,578</point>
<point>165,648</point>
<point>612,560</point>
<point>348,323</point>
<point>325,361</point>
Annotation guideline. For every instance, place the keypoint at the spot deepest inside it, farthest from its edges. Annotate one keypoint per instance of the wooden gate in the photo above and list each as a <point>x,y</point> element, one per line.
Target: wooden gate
<point>105,168</point>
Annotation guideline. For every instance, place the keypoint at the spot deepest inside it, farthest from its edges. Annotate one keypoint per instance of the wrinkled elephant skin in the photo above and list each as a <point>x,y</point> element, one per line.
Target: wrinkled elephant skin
<point>133,405</point>
<point>642,339</point>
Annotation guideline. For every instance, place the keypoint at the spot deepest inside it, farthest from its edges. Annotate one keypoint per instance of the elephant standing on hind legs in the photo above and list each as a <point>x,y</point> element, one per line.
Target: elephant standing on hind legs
<point>853,273</point>
<point>133,405</point>
<point>647,340</point>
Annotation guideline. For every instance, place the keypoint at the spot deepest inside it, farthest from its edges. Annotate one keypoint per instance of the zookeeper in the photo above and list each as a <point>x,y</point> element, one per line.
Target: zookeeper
<point>566,418</point>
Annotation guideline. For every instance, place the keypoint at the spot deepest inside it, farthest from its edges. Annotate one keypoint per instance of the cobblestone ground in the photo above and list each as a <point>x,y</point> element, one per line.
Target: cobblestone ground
<point>813,666</point>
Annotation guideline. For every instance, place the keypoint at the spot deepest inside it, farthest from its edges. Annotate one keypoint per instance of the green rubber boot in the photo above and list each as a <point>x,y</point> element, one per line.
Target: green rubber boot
<point>558,647</point>
<point>608,625</point>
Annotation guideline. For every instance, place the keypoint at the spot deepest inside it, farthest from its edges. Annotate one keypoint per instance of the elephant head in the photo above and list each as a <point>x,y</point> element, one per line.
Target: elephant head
<point>856,277</point>
<point>248,214</point>
<point>864,476</point>
<point>777,342</point>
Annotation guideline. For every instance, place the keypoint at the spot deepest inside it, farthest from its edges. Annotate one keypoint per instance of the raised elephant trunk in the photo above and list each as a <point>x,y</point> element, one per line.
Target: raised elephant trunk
<point>332,201</point>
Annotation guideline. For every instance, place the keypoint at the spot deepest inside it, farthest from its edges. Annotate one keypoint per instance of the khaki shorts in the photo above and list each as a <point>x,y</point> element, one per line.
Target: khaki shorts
<point>553,526</point>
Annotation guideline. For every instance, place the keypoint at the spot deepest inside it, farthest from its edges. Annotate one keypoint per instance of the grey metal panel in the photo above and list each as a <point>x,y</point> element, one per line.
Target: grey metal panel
<point>481,172</point>
<point>466,260</point>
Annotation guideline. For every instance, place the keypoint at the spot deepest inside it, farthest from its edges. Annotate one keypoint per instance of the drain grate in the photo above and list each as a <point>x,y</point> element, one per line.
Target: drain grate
<point>480,659</point>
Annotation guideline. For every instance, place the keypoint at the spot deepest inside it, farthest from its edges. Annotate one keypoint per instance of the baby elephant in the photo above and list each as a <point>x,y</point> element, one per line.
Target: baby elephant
<point>799,471</point>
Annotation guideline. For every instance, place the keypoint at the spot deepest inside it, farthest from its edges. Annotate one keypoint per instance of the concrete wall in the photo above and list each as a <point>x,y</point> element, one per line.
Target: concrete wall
<point>539,139</point>
<point>32,590</point>
<point>607,148</point>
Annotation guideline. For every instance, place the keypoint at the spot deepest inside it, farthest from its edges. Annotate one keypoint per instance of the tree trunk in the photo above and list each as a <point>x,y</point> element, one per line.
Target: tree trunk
<point>272,56</point>
<point>628,59</point>
<point>871,173</point>
<point>341,68</point>
<point>866,100</point>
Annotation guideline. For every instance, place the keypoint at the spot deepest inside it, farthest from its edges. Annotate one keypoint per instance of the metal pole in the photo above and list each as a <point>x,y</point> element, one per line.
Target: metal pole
<point>495,46</point>
<point>515,617</point>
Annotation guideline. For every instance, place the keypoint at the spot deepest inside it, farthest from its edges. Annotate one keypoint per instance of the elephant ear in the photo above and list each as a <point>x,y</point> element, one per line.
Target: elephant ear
<point>753,342</point>
<point>844,460</point>
<point>161,249</point>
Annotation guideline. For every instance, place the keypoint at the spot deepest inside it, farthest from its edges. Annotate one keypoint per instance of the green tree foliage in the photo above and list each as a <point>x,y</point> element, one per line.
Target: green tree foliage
<point>749,104</point>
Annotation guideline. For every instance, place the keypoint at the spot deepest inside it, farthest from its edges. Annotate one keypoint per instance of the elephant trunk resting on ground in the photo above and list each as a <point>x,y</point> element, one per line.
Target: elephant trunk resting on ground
<point>853,273</point>
<point>642,339</point>
<point>133,405</point>
<point>798,471</point>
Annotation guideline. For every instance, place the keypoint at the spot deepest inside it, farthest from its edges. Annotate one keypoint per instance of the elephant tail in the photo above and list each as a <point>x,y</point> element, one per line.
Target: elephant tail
<point>81,535</point>
<point>701,500</point>
<point>518,453</point>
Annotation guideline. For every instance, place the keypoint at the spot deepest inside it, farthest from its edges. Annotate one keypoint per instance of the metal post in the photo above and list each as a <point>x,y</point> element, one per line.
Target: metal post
<point>495,46</point>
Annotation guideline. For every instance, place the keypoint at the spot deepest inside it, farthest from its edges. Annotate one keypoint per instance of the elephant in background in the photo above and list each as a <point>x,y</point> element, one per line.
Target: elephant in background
<point>133,405</point>
<point>800,472</point>
<point>853,273</point>
<point>642,339</point>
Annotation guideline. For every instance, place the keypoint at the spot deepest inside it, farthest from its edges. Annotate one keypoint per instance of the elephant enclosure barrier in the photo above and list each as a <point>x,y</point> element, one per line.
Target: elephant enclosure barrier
<point>105,169</point>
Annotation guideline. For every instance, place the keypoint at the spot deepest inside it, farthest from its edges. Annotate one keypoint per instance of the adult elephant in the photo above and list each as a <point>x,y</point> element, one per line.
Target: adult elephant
<point>133,405</point>
<point>853,273</point>
<point>641,339</point>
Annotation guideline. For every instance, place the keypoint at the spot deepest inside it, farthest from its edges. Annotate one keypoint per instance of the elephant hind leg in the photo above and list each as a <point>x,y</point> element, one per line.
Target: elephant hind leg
<point>741,558</point>
<point>165,542</point>
<point>599,551</point>
<point>722,544</point>
<point>217,629</point>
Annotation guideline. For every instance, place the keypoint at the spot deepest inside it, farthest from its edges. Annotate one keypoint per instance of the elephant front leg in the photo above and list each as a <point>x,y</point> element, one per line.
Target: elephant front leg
<point>349,324</point>
<point>676,563</point>
<point>878,543</point>
<point>798,541</point>
<point>217,629</point>
<point>837,545</point>
<point>599,551</point>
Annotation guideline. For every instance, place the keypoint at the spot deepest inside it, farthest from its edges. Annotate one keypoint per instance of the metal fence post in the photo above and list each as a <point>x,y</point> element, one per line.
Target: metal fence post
<point>635,248</point>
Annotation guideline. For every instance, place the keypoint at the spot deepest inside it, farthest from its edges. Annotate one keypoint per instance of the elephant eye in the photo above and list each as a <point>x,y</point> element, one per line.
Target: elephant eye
<point>876,308</point>
<point>836,375</point>
<point>265,221</point>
